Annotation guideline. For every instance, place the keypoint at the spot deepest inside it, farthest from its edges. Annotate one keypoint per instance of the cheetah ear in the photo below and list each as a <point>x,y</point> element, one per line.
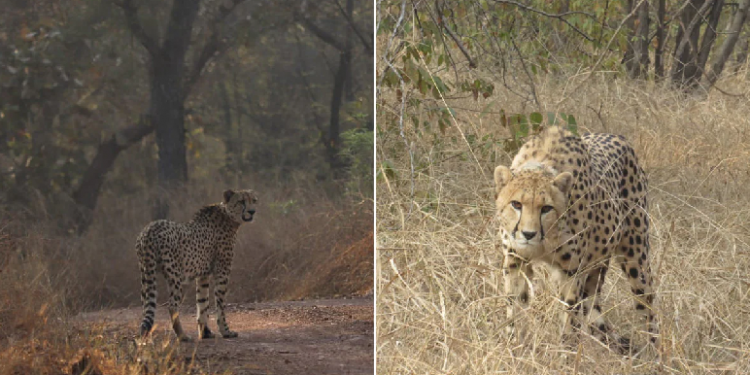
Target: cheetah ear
<point>564,182</point>
<point>502,177</point>
<point>228,195</point>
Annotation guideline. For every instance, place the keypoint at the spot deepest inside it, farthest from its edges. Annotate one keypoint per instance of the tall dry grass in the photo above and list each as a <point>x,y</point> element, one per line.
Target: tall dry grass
<point>440,301</point>
<point>298,226</point>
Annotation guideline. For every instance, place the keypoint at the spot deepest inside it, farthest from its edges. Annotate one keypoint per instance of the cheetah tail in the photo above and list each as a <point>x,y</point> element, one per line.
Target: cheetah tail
<point>148,287</point>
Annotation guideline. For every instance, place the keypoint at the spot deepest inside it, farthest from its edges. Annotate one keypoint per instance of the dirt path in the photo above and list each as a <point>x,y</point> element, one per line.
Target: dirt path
<point>300,337</point>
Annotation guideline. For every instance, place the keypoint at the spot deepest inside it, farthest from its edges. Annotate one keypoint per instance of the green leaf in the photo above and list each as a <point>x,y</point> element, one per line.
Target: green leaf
<point>551,118</point>
<point>486,108</point>
<point>440,86</point>
<point>572,124</point>
<point>523,130</point>
<point>536,118</point>
<point>442,124</point>
<point>386,167</point>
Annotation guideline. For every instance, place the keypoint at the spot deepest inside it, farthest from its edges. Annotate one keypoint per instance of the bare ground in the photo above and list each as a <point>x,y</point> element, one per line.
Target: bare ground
<point>298,337</point>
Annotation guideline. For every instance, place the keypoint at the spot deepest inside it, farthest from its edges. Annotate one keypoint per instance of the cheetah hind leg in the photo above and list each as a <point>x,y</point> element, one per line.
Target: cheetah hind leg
<point>175,298</point>
<point>600,328</point>
<point>201,297</point>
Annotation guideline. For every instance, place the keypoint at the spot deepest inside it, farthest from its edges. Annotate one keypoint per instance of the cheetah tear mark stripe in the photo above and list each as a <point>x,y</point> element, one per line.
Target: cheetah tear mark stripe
<point>541,228</point>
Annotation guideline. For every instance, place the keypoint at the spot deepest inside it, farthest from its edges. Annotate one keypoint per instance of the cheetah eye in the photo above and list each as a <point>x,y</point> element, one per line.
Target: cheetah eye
<point>255,200</point>
<point>516,204</point>
<point>546,209</point>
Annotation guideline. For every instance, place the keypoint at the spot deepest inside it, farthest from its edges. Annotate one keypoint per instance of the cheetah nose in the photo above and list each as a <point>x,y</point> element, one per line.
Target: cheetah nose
<point>252,212</point>
<point>528,235</point>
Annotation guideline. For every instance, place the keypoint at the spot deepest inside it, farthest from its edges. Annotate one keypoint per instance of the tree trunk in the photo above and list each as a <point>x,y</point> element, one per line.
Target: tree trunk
<point>349,89</point>
<point>639,63</point>
<point>167,111</point>
<point>229,137</point>
<point>684,68</point>
<point>627,58</point>
<point>333,141</point>
<point>239,103</point>
<point>168,101</point>
<point>709,36</point>
<point>661,14</point>
<point>717,65</point>
<point>334,129</point>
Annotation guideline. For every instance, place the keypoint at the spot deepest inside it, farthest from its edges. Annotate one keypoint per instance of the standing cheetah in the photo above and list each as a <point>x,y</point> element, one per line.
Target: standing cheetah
<point>198,249</point>
<point>573,203</point>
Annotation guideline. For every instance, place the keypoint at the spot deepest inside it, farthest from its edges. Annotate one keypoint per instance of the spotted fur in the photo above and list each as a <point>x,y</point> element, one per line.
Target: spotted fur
<point>199,249</point>
<point>576,204</point>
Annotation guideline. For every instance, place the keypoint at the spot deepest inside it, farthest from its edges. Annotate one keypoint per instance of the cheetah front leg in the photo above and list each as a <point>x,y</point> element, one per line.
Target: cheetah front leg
<point>571,289</point>
<point>220,289</point>
<point>517,275</point>
<point>201,300</point>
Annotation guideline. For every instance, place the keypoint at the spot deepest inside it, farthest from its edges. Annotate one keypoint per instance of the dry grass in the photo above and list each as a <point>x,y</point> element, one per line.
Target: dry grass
<point>296,229</point>
<point>38,338</point>
<point>440,302</point>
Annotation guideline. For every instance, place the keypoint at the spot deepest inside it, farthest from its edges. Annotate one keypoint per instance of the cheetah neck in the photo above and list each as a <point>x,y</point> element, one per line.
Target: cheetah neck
<point>217,213</point>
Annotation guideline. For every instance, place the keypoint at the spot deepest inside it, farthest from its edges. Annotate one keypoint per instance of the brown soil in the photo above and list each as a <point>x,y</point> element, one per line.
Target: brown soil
<point>300,337</point>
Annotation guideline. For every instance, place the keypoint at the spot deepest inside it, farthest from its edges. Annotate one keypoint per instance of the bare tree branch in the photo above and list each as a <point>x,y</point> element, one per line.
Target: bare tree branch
<point>131,15</point>
<point>325,36</point>
<point>441,22</point>
<point>717,66</point>
<point>361,37</point>
<point>688,30</point>
<point>87,192</point>
<point>213,46</point>
<point>179,27</point>
<point>558,16</point>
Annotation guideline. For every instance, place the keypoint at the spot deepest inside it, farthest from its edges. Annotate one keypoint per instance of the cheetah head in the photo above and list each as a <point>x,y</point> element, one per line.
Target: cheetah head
<point>529,204</point>
<point>241,204</point>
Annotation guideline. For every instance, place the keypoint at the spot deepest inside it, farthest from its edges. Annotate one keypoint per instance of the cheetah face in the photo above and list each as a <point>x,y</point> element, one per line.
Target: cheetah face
<point>241,204</point>
<point>529,205</point>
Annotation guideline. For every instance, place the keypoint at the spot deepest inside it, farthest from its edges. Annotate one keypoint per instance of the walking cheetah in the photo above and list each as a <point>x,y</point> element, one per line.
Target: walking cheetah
<point>198,249</point>
<point>573,203</point>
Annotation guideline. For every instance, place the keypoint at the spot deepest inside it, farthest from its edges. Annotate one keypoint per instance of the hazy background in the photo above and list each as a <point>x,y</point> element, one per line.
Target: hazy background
<point>115,113</point>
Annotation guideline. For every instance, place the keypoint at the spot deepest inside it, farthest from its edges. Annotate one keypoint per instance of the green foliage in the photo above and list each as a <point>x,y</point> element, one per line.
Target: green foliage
<point>358,152</point>
<point>284,208</point>
<point>43,72</point>
<point>522,126</point>
<point>73,75</point>
<point>386,169</point>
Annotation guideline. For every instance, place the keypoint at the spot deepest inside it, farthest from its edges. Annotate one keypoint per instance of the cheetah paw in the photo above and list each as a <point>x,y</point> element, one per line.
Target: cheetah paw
<point>229,334</point>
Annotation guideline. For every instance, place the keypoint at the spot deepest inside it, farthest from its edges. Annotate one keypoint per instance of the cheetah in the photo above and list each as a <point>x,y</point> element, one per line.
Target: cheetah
<point>573,203</point>
<point>199,249</point>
